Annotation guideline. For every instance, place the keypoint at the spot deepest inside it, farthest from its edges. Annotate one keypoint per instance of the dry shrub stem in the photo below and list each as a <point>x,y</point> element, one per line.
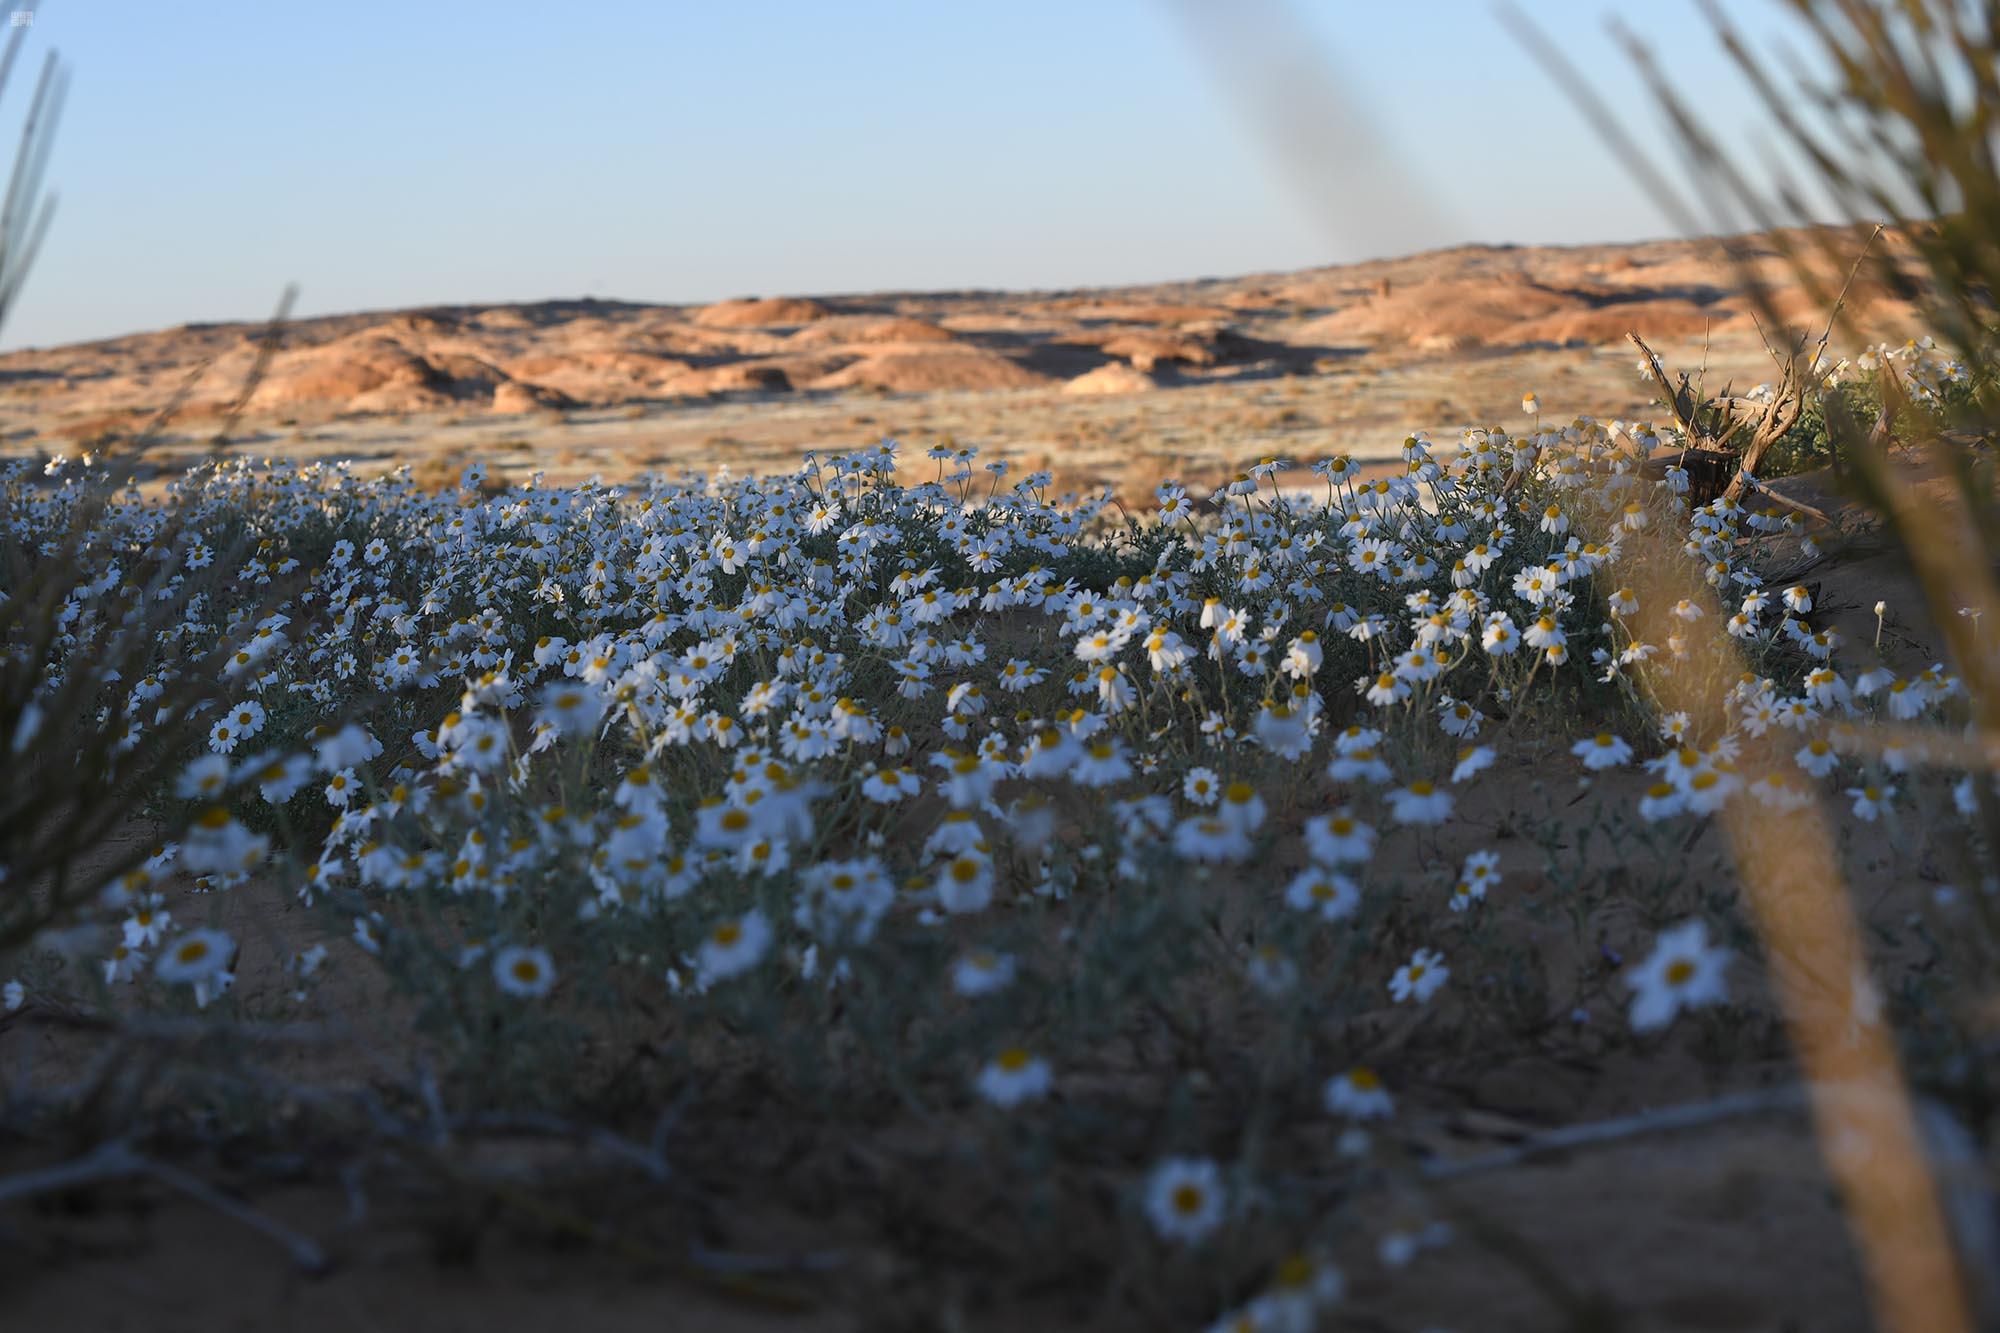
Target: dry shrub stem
<point>1595,1133</point>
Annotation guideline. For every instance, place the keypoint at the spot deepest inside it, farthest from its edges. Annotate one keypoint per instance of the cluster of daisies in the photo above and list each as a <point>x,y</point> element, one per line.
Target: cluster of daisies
<point>1923,370</point>
<point>772,723</point>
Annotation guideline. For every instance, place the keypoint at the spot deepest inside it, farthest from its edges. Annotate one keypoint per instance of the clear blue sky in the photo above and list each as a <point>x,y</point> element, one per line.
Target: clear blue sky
<point>434,151</point>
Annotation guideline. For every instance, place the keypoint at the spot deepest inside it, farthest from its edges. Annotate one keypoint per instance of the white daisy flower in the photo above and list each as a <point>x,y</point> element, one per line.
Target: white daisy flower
<point>1328,893</point>
<point>1683,972</point>
<point>1421,802</point>
<point>1339,839</point>
<point>982,972</point>
<point>965,883</point>
<point>1013,1076</point>
<point>1472,760</point>
<point>732,947</point>
<point>1419,978</point>
<point>519,970</point>
<point>198,956</point>
<point>1871,801</point>
<point>1359,1095</point>
<point>1184,1199</point>
<point>1602,751</point>
<point>1663,800</point>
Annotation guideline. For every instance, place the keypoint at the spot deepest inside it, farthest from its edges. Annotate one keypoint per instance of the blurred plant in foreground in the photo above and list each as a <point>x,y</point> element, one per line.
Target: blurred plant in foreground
<point>1893,115</point>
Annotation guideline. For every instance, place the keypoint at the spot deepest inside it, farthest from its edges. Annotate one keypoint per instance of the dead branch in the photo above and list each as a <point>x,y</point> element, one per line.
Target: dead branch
<point>114,1160</point>
<point>305,1252</point>
<point>1768,421</point>
<point>1800,377</point>
<point>189,1031</point>
<point>534,1122</point>
<point>1841,300</point>
<point>1788,502</point>
<point>117,1160</point>
<point>1780,415</point>
<point>1680,403</point>
<point>1666,1120</point>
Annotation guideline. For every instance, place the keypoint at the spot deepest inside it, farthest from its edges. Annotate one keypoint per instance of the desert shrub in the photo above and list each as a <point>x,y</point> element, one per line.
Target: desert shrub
<point>1928,394</point>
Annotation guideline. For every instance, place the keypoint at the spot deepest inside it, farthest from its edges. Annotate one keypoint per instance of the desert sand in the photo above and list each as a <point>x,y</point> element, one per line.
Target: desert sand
<point>1188,379</point>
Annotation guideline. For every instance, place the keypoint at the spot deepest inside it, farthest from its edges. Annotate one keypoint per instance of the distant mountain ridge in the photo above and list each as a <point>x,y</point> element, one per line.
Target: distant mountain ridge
<point>593,353</point>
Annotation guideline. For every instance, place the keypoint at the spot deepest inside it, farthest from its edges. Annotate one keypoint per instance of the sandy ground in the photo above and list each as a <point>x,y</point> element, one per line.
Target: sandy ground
<point>1729,1229</point>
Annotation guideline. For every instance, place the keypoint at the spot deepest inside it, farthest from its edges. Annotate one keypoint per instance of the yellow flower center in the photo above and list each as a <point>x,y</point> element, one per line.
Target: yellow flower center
<point>1294,1272</point>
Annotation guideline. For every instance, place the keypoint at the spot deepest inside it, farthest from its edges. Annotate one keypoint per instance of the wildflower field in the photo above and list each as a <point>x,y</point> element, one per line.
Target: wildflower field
<point>891,895</point>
